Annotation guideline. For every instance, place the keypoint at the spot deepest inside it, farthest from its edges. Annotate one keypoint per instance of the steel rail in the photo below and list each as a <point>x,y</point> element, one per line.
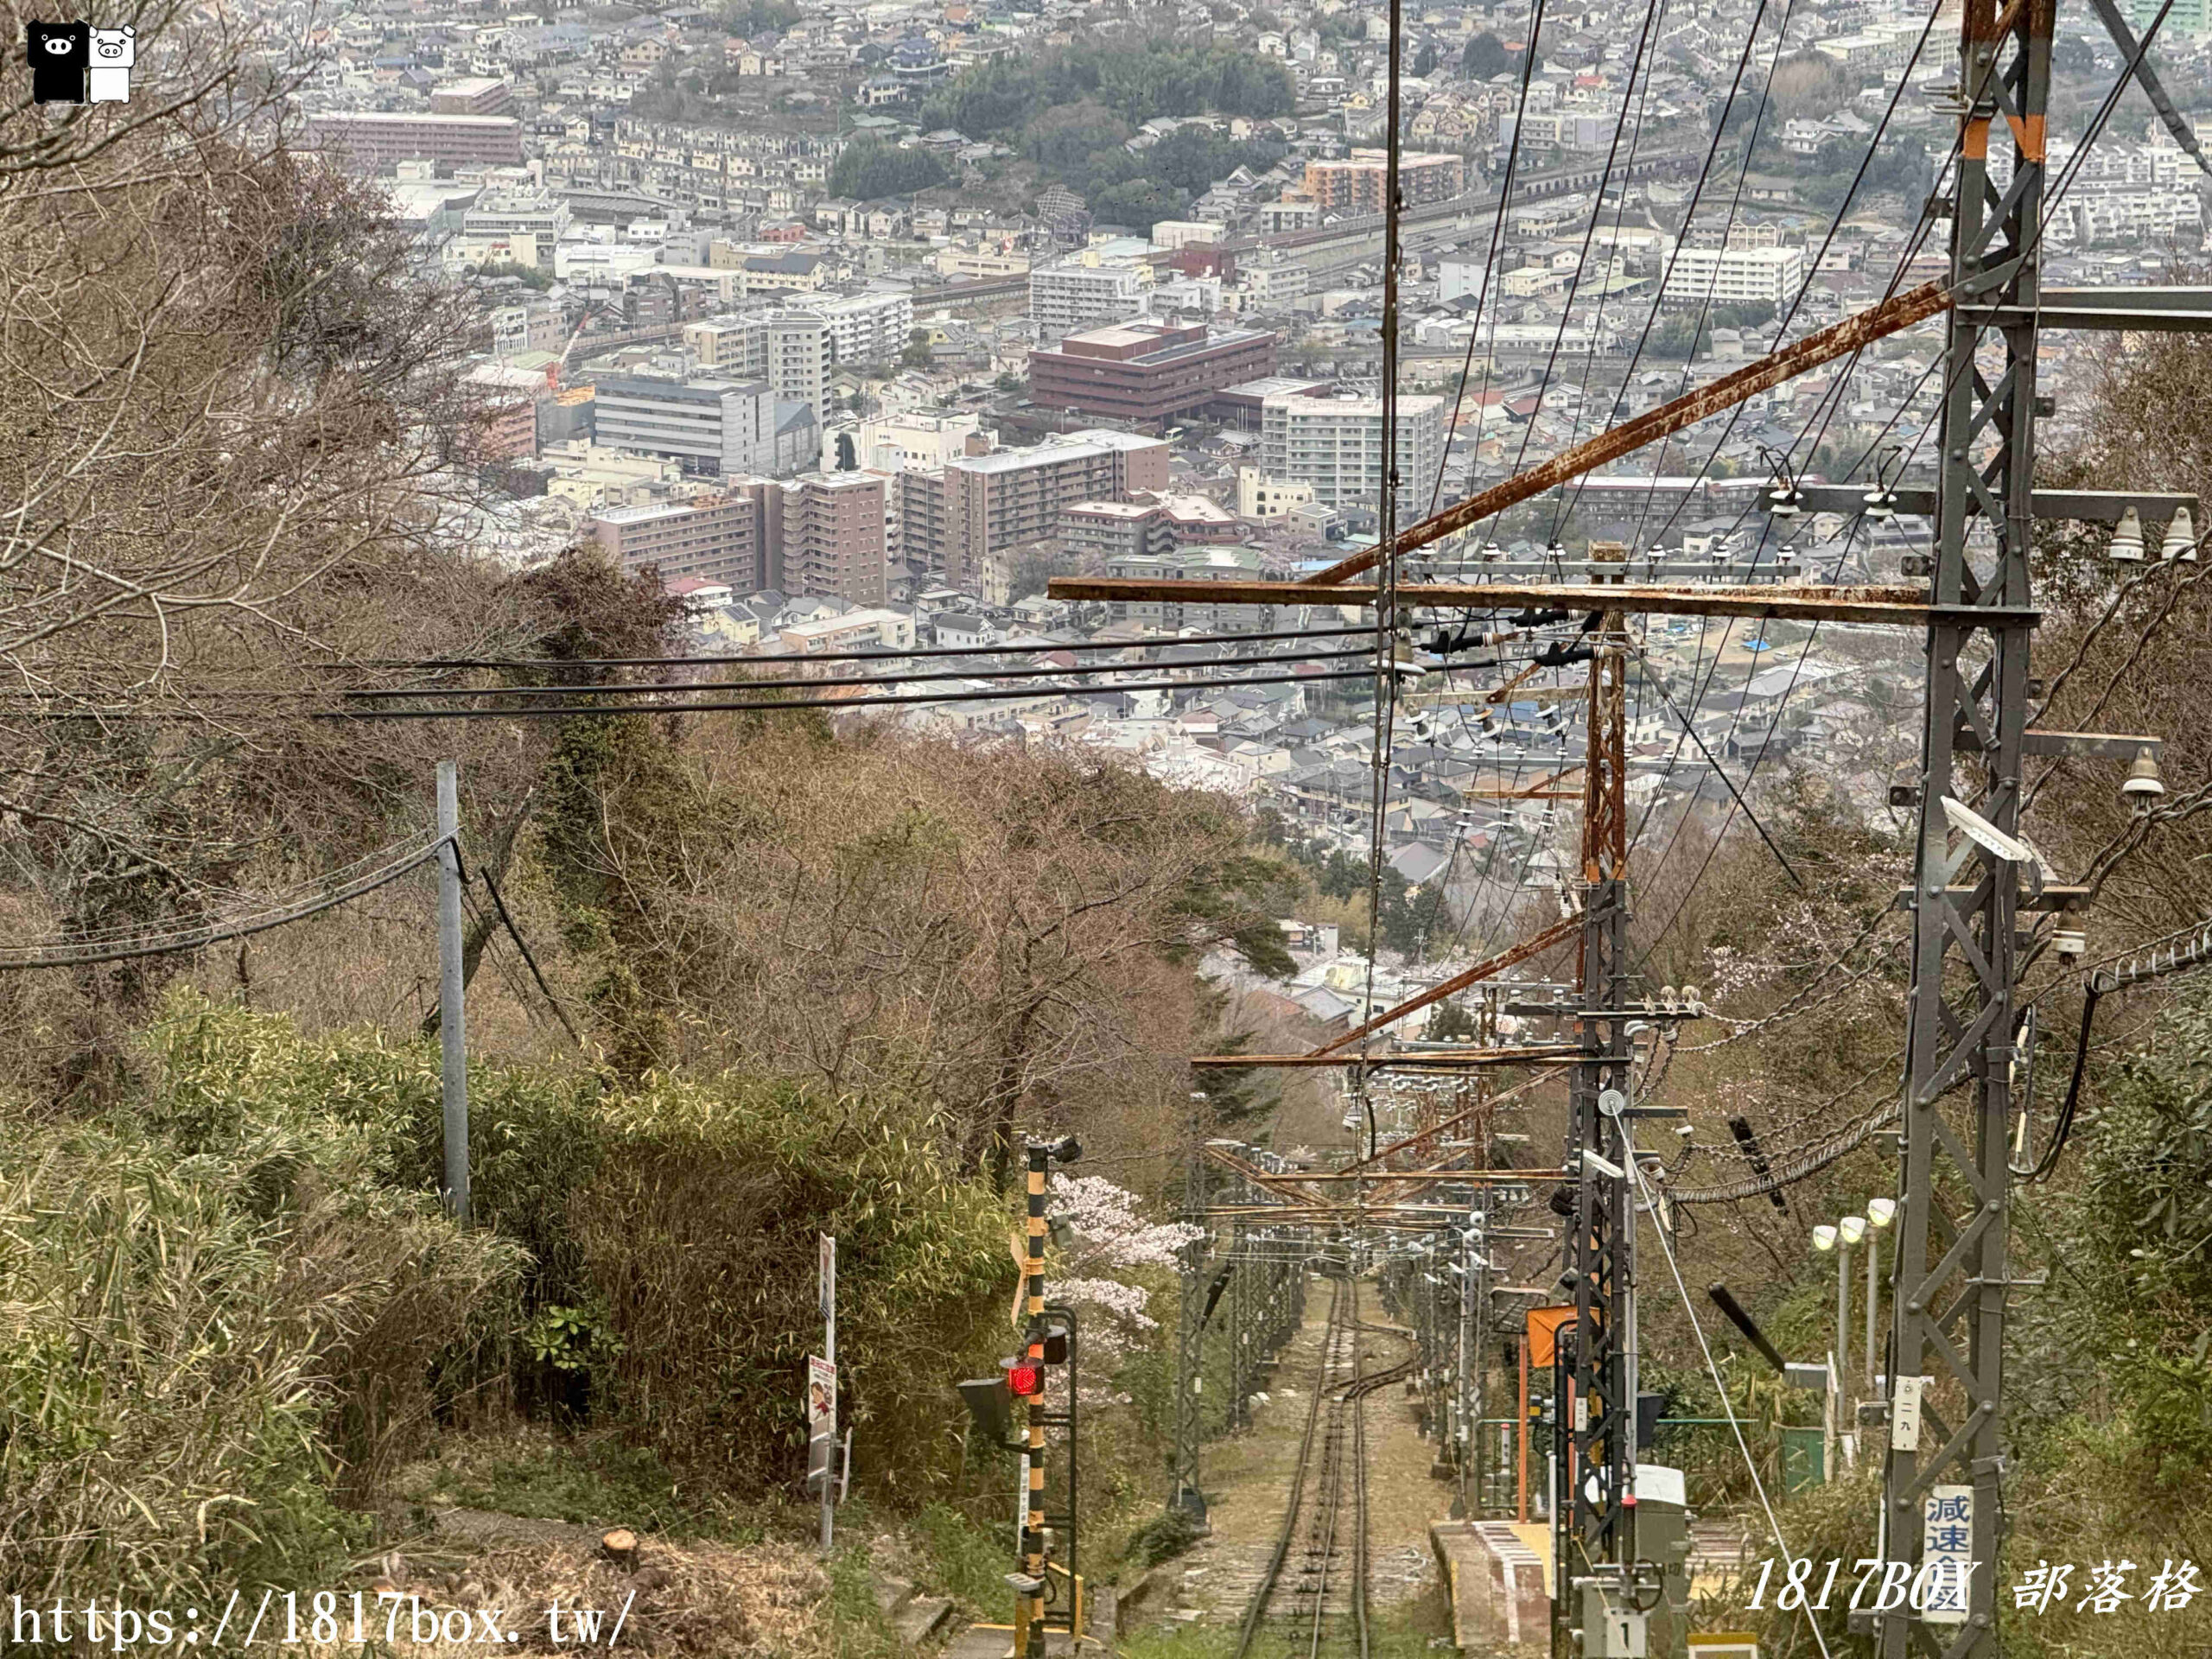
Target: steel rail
<point>1256,1610</point>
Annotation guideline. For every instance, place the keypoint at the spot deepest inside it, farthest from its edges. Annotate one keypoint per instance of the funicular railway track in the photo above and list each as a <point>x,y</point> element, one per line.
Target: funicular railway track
<point>1312,1598</point>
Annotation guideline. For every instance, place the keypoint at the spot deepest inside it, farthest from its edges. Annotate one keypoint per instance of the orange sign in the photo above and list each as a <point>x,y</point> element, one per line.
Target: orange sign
<point>1543,1331</point>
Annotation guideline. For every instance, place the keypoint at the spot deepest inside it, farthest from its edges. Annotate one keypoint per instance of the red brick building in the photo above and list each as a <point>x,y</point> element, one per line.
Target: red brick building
<point>1146,374</point>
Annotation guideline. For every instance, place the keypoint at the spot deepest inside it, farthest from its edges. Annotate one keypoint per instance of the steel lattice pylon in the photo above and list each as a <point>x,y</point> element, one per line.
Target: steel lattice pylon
<point>1951,1273</point>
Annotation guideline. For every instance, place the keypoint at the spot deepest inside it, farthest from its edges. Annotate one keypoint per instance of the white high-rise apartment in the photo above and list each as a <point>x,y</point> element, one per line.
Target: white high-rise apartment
<point>1735,276</point>
<point>1086,291</point>
<point>866,329</point>
<point>792,351</point>
<point>796,348</point>
<point>1335,444</point>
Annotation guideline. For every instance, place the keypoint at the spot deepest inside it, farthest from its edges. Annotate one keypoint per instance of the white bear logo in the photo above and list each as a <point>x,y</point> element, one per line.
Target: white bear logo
<point>114,51</point>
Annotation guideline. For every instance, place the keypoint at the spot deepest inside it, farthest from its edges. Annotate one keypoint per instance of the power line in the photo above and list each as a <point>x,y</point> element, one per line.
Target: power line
<point>1728,230</point>
<point>530,960</point>
<point>2056,193</point>
<point>1612,264</point>
<point>1482,294</point>
<point>85,950</point>
<point>1727,1407</point>
<point>645,688</point>
<point>1589,236</point>
<point>775,706</point>
<point>719,659</point>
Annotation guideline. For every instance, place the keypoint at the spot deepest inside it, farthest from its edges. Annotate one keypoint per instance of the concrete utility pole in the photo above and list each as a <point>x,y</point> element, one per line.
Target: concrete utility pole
<point>453,1024</point>
<point>827,1292</point>
<point>1190,1344</point>
<point>1602,1434</point>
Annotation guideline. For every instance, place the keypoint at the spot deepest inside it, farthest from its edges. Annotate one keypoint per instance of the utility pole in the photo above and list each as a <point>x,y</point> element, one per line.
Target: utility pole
<point>453,1024</point>
<point>826,1293</point>
<point>1240,1381</point>
<point>1190,1332</point>
<point>1601,1433</point>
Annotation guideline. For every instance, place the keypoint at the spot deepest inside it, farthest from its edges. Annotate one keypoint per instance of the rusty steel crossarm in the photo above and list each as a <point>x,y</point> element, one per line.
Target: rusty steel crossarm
<point>1506,691</point>
<point>1822,346</point>
<point>1458,1118</point>
<point>1542,790</point>
<point>1385,1177</point>
<point>1483,970</point>
<point>1267,1181</point>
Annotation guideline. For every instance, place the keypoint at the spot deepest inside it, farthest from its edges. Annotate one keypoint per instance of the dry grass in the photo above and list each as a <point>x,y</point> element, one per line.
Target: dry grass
<point>765,1599</point>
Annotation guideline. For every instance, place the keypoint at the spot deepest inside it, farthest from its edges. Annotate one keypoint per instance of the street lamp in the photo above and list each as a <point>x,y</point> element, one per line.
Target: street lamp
<point>1840,1238</point>
<point>1880,1212</point>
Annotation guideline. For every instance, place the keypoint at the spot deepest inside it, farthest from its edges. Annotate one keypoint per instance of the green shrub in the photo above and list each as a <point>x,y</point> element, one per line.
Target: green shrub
<point>675,1222</point>
<point>699,1233</point>
<point>205,1338</point>
<point>1165,1537</point>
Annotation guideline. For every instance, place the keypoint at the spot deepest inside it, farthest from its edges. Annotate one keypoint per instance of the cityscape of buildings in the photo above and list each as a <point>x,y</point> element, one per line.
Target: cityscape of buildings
<point>848,377</point>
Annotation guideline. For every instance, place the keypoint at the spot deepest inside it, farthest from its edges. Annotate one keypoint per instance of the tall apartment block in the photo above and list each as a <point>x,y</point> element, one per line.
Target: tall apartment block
<point>869,328</point>
<point>790,350</point>
<point>1086,291</point>
<point>964,521</point>
<point>1354,184</point>
<point>796,348</point>
<point>1734,275</point>
<point>1146,374</point>
<point>480,95</point>
<point>1335,444</point>
<point>834,536</point>
<point>735,536</point>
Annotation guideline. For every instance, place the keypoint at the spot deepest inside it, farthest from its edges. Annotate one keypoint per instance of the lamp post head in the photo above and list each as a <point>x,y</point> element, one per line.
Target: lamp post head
<point>1853,1228</point>
<point>1880,1212</point>
<point>1824,1239</point>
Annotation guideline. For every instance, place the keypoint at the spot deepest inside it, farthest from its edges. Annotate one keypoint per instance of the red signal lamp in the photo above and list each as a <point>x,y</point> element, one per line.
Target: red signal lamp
<point>1025,1378</point>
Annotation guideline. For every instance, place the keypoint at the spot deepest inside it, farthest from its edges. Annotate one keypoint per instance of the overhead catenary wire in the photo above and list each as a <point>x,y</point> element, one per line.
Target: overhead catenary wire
<point>2051,200</point>
<point>1652,10</point>
<point>1482,294</point>
<point>1613,267</point>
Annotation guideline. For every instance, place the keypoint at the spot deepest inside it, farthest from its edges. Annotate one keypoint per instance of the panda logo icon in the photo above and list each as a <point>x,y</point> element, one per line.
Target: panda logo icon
<point>61,59</point>
<point>114,51</point>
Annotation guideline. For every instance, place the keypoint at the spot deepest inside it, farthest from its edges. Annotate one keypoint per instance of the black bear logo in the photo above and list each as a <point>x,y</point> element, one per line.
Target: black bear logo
<point>61,57</point>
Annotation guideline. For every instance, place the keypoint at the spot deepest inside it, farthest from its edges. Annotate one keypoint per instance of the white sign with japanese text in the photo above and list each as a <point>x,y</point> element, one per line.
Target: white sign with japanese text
<point>1943,1585</point>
